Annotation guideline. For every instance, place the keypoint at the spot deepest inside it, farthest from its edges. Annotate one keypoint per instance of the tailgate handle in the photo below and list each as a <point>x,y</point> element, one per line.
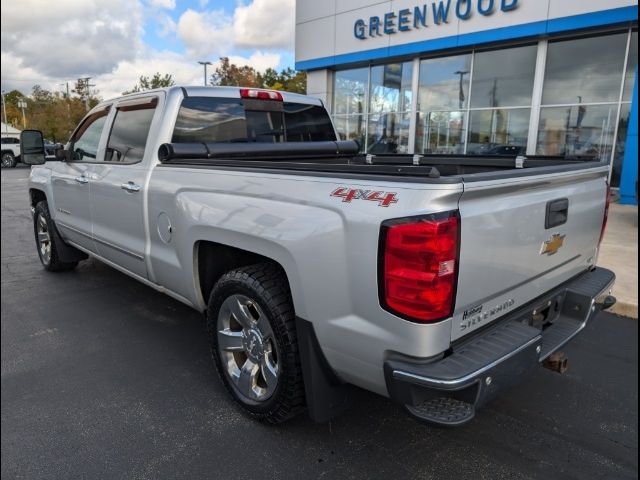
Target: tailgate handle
<point>557,213</point>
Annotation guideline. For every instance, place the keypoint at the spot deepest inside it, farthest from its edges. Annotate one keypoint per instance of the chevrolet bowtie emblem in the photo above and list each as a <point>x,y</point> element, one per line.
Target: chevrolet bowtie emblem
<point>552,245</point>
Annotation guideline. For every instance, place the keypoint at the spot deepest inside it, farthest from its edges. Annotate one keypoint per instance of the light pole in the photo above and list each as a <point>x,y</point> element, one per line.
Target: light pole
<point>462,73</point>
<point>204,64</point>
<point>22,105</point>
<point>4,110</point>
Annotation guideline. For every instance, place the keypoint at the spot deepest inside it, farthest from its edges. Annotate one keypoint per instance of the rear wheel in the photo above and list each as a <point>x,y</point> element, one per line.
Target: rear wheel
<point>251,328</point>
<point>8,160</point>
<point>46,240</point>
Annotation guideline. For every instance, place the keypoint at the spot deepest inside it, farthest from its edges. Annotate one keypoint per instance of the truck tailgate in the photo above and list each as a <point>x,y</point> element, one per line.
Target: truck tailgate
<point>510,253</point>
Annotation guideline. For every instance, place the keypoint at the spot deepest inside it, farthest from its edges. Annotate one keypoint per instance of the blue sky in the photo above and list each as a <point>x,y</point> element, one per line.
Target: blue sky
<point>116,41</point>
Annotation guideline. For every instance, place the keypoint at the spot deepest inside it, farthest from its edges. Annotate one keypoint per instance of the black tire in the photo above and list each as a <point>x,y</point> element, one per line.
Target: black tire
<point>50,262</point>
<point>265,284</point>
<point>8,160</point>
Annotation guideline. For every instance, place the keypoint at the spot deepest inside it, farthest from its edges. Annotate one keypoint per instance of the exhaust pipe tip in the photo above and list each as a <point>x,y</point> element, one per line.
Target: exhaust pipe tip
<point>557,362</point>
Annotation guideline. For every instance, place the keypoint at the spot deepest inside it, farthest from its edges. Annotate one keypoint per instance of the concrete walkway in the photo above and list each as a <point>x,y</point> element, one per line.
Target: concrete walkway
<point>619,252</point>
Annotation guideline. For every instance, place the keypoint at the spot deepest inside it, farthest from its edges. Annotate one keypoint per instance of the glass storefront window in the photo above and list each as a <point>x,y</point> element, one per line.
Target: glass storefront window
<point>578,130</point>
<point>503,78</point>
<point>444,83</point>
<point>481,102</point>
<point>388,133</point>
<point>390,88</point>
<point>586,70</point>
<point>440,132</point>
<point>350,91</point>
<point>498,132</point>
<point>351,127</point>
<point>621,140</point>
<point>632,64</point>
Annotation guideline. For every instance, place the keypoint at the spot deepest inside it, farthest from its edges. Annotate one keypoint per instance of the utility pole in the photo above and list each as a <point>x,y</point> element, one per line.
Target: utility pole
<point>204,64</point>
<point>22,105</point>
<point>86,92</point>
<point>4,109</point>
<point>62,85</point>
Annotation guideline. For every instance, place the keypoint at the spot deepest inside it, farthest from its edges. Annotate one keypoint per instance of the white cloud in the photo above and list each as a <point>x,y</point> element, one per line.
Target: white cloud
<point>127,73</point>
<point>206,34</point>
<point>73,39</point>
<point>184,71</point>
<point>168,4</point>
<point>265,24</point>
<point>50,46</point>
<point>166,25</point>
<point>259,60</point>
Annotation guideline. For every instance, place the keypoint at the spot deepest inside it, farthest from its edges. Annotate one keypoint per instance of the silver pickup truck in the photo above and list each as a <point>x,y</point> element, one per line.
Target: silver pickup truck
<point>438,281</point>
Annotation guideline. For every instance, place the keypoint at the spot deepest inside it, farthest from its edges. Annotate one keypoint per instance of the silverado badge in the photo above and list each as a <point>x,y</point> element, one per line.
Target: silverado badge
<point>552,245</point>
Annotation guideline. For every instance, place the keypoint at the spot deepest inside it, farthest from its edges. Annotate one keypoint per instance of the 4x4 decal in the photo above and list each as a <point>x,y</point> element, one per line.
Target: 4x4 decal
<point>384,199</point>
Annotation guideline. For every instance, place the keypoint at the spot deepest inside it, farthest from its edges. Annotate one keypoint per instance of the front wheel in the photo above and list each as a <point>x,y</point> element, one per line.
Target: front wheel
<point>46,241</point>
<point>8,160</point>
<point>251,329</point>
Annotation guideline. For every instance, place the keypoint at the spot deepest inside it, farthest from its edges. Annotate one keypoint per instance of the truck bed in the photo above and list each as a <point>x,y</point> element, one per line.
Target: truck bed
<point>338,158</point>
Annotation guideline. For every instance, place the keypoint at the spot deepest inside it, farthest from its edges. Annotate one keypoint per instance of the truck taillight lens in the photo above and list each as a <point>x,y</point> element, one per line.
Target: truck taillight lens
<point>257,94</point>
<point>419,268</point>
<point>605,219</point>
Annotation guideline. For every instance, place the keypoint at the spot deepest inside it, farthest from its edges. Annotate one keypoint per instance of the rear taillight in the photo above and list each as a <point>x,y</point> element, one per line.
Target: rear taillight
<point>419,259</point>
<point>606,214</point>
<point>257,94</point>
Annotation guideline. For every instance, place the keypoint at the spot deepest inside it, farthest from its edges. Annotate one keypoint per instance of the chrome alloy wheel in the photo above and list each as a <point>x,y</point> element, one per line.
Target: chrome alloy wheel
<point>7,160</point>
<point>44,239</point>
<point>247,347</point>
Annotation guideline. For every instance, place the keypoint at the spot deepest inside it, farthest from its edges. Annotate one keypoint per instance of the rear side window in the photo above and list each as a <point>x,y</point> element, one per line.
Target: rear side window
<point>129,133</point>
<point>224,120</point>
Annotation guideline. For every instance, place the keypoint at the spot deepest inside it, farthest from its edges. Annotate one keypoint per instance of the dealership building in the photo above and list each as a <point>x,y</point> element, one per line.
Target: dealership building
<point>531,77</point>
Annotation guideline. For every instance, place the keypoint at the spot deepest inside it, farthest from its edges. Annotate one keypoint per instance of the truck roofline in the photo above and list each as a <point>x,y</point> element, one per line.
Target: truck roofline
<point>218,91</point>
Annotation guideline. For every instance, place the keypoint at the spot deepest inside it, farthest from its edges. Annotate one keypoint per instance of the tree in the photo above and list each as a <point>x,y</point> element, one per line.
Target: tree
<point>245,76</point>
<point>14,114</point>
<point>229,74</point>
<point>157,81</point>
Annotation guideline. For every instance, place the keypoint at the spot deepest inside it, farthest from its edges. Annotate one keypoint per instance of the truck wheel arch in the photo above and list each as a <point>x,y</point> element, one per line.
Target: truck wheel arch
<point>213,259</point>
<point>36,196</point>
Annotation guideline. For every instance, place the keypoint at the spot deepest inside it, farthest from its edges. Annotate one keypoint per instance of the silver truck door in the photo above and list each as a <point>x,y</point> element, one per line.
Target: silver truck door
<point>70,181</point>
<point>118,187</point>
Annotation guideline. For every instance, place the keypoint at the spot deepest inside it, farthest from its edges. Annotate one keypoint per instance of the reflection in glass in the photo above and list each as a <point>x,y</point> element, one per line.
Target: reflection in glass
<point>444,83</point>
<point>632,64</point>
<point>621,139</point>
<point>351,127</point>
<point>390,88</point>
<point>579,130</point>
<point>498,132</point>
<point>503,78</point>
<point>350,91</point>
<point>440,132</point>
<point>585,70</point>
<point>388,133</point>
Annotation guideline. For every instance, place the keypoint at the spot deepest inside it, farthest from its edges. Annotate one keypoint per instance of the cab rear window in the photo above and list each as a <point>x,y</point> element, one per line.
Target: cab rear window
<point>226,120</point>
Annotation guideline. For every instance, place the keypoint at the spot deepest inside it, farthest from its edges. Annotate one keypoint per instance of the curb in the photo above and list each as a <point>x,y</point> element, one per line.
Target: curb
<point>625,309</point>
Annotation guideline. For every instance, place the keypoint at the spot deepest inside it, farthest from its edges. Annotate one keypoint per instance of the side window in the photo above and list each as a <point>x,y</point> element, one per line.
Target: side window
<point>85,141</point>
<point>129,132</point>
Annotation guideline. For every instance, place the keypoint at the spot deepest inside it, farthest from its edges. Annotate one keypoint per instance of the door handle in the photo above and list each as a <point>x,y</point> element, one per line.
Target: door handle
<point>130,187</point>
<point>82,180</point>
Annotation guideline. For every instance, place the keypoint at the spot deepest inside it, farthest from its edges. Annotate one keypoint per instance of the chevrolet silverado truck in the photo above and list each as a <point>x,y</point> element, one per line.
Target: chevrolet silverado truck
<point>437,281</point>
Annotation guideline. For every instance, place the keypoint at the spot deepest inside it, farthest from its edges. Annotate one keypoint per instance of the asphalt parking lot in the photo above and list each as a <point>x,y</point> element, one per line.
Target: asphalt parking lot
<point>103,377</point>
